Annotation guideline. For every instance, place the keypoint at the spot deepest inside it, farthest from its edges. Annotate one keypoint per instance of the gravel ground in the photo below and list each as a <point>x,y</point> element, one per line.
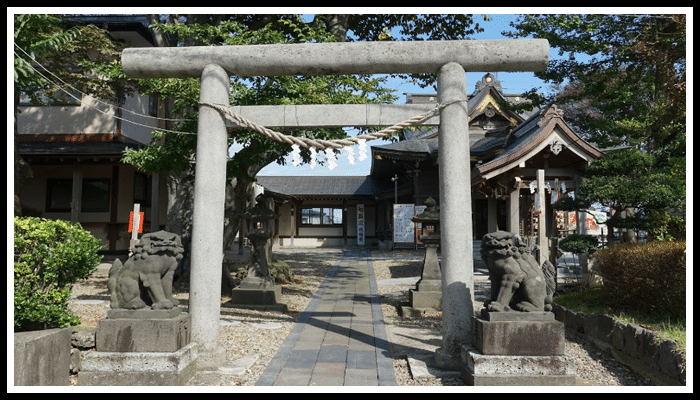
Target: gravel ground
<point>593,366</point>
<point>256,335</point>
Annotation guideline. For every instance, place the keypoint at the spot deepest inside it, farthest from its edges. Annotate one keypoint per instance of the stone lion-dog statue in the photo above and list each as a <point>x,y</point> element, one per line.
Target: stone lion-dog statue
<point>518,283</point>
<point>146,278</point>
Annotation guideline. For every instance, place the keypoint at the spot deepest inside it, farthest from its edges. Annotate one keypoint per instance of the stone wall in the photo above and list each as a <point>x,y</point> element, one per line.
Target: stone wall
<point>41,358</point>
<point>632,345</point>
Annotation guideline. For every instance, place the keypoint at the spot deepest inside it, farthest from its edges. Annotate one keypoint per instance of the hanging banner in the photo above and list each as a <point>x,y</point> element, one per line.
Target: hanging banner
<point>360,224</point>
<point>404,228</point>
<point>572,221</point>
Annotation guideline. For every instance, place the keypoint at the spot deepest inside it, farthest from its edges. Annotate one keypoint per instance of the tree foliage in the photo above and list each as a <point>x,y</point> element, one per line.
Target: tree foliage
<point>78,56</point>
<point>621,81</point>
<point>49,257</point>
<point>624,75</point>
<point>175,153</point>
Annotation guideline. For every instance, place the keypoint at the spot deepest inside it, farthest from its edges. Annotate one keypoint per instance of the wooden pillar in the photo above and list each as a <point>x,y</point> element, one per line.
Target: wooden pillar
<point>292,222</point>
<point>77,194</point>
<point>513,217</point>
<point>155,202</point>
<point>114,209</point>
<point>492,220</point>
<point>345,222</point>
<point>542,240</point>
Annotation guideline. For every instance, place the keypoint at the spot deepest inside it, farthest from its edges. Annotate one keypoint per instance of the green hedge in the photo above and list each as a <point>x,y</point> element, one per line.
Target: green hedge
<point>49,257</point>
<point>646,277</point>
<point>576,243</point>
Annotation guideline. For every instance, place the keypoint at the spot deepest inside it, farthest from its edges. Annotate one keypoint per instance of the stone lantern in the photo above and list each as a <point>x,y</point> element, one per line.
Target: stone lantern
<point>428,292</point>
<point>258,288</point>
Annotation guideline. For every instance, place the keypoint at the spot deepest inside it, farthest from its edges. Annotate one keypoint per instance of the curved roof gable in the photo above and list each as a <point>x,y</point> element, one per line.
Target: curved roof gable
<point>487,102</point>
<point>546,128</point>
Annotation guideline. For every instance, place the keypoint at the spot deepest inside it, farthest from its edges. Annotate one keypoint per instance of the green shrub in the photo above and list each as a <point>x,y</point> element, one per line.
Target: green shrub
<point>576,243</point>
<point>646,277</point>
<point>49,256</point>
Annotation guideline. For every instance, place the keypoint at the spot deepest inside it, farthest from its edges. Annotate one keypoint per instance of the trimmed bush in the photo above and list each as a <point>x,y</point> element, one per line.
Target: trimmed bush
<point>576,243</point>
<point>646,277</point>
<point>49,257</point>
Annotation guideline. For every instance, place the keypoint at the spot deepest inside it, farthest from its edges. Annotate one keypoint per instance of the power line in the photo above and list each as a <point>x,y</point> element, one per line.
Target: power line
<point>97,100</point>
<point>85,94</point>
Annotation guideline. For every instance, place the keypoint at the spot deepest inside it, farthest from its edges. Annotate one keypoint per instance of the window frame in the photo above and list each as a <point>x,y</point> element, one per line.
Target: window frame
<point>64,187</point>
<point>103,205</point>
<point>53,188</point>
<point>333,213</point>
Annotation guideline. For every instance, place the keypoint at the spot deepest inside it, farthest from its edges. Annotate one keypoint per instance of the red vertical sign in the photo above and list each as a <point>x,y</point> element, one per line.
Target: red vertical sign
<point>131,222</point>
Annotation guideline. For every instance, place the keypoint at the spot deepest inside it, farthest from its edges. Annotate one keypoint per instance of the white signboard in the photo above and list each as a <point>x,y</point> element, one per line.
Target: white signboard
<point>360,224</point>
<point>595,223</point>
<point>404,228</point>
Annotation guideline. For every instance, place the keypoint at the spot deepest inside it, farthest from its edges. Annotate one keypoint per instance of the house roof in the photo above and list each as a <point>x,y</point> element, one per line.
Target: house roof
<point>321,186</point>
<point>37,151</point>
<point>119,25</point>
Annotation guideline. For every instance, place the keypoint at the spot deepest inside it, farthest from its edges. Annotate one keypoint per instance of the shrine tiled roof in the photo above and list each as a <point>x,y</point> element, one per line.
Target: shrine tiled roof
<point>300,186</point>
<point>526,137</point>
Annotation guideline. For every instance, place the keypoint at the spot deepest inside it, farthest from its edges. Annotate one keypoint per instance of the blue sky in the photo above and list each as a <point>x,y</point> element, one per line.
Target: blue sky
<point>512,82</point>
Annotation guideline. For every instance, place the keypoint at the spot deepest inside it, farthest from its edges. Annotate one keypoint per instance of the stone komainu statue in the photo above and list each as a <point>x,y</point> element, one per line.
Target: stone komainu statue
<point>146,278</point>
<point>517,280</point>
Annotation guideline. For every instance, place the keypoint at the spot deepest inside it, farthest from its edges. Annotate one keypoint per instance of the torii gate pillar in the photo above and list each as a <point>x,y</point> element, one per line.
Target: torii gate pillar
<point>208,219</point>
<point>455,216</point>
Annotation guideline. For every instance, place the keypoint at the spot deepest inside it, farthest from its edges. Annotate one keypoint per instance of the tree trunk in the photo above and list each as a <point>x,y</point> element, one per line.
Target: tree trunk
<point>337,24</point>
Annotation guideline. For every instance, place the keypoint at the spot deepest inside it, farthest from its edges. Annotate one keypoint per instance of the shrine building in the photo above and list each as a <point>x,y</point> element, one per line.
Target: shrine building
<point>507,149</point>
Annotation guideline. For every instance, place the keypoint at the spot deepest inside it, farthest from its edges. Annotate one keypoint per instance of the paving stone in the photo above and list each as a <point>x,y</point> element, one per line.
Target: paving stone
<point>302,359</point>
<point>267,325</point>
<point>294,377</point>
<point>333,354</point>
<point>362,359</point>
<point>361,377</point>
<point>328,374</point>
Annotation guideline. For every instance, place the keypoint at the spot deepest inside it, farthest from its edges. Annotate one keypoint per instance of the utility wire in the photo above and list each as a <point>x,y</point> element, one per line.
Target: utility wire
<point>101,102</point>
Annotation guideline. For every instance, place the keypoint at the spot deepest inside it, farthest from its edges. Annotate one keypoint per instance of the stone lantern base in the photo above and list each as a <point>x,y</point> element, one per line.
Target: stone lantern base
<point>427,295</point>
<point>257,293</point>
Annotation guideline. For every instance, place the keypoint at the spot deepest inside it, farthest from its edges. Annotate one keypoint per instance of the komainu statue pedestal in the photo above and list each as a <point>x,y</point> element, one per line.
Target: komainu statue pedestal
<point>141,348</point>
<point>517,349</point>
<point>145,339</point>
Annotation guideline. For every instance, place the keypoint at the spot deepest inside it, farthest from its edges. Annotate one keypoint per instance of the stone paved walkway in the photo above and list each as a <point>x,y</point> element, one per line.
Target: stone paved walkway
<point>340,339</point>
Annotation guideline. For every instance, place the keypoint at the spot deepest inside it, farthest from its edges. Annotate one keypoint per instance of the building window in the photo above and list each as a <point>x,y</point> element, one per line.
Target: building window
<point>153,106</point>
<point>59,193</point>
<point>142,189</point>
<point>322,216</point>
<point>95,195</point>
<point>95,198</point>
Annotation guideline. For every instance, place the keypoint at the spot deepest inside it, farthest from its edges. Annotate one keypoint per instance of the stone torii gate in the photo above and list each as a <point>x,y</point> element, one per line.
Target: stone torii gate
<point>450,60</point>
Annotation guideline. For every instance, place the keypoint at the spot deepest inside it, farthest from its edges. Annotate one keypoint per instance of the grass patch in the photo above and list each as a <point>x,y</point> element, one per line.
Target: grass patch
<point>592,300</point>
